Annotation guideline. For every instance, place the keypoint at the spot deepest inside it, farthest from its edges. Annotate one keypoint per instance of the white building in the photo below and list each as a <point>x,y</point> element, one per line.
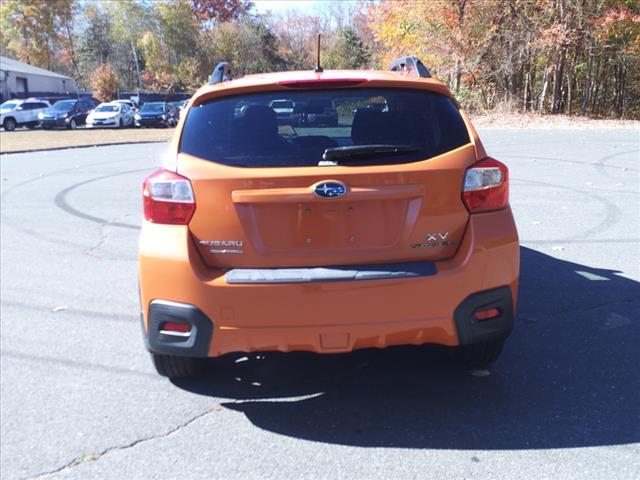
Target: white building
<point>20,80</point>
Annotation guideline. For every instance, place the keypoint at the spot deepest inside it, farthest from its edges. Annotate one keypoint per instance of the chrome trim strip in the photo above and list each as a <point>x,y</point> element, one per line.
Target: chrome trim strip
<point>330,274</point>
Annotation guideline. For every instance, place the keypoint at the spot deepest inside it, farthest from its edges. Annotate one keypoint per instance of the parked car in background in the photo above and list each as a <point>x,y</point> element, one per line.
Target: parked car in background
<point>378,107</point>
<point>66,114</point>
<point>285,113</point>
<point>179,105</point>
<point>16,113</point>
<point>319,112</point>
<point>132,105</point>
<point>180,108</point>
<point>156,114</point>
<point>112,114</point>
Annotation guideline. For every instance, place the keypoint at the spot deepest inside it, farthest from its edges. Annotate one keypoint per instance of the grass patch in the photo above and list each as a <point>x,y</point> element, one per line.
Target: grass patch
<point>38,139</point>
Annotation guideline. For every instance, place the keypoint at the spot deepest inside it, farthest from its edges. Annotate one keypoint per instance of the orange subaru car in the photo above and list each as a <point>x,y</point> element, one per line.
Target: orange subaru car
<point>326,211</point>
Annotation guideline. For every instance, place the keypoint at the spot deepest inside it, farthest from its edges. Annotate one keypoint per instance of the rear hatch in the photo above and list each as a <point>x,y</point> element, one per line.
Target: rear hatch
<point>383,186</point>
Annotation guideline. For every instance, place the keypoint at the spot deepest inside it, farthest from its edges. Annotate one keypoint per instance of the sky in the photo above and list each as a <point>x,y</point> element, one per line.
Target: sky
<point>278,6</point>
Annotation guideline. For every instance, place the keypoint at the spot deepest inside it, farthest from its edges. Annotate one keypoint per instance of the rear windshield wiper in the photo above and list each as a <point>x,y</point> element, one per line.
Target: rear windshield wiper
<point>356,152</point>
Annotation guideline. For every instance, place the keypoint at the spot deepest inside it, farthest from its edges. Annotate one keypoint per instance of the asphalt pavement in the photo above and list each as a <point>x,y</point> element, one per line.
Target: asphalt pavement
<point>80,399</point>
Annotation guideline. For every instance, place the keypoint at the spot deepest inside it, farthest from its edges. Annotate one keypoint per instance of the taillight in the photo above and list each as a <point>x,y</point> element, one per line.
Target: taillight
<point>168,198</point>
<point>486,186</point>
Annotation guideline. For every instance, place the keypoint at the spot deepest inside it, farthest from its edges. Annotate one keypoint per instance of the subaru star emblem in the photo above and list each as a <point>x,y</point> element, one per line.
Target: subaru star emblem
<point>330,189</point>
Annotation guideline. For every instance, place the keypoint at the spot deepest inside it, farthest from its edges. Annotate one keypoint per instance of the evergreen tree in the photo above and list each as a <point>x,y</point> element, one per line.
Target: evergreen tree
<point>347,52</point>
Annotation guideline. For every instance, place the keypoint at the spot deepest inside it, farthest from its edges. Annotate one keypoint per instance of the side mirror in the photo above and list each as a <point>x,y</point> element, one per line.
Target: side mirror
<point>19,107</point>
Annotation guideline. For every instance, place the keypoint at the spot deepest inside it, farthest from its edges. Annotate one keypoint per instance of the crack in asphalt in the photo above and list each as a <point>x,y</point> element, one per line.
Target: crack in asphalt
<point>93,457</point>
<point>103,234</point>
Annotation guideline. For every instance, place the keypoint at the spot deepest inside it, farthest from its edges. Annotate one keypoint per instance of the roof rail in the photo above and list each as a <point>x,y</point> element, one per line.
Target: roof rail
<point>411,65</point>
<point>222,73</point>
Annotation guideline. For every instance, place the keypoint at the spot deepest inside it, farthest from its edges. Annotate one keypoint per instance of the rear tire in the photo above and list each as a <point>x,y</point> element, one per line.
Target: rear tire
<point>173,366</point>
<point>478,355</point>
<point>120,124</point>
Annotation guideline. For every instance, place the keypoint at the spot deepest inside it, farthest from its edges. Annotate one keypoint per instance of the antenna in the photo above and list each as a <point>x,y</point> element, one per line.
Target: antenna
<point>318,68</point>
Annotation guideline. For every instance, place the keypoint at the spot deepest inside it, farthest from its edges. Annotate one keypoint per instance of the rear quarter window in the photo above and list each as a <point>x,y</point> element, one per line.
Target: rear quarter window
<point>245,130</point>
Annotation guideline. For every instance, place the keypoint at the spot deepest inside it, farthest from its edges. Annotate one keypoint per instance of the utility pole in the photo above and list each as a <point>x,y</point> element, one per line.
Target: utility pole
<point>135,58</point>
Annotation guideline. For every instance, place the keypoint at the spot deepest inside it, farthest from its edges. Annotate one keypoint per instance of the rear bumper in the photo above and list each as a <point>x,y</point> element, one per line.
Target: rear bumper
<point>150,122</point>
<point>56,122</point>
<point>337,316</point>
<point>110,123</point>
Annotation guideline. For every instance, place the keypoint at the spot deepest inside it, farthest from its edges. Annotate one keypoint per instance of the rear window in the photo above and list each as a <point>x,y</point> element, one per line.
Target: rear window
<point>65,105</point>
<point>153,107</point>
<point>107,108</point>
<point>245,131</point>
<point>281,104</point>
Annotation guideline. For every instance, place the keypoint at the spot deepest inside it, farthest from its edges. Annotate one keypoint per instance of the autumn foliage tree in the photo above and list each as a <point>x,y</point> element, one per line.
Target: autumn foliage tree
<point>36,30</point>
<point>249,45</point>
<point>547,56</point>
<point>210,12</point>
<point>104,83</point>
<point>542,56</point>
<point>297,36</point>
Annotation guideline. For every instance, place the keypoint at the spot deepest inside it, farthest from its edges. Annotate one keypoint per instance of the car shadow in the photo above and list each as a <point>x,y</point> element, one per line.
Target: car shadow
<point>568,377</point>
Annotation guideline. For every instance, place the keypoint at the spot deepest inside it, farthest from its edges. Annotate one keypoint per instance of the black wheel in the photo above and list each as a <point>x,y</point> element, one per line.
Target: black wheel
<point>478,355</point>
<point>46,127</point>
<point>72,124</point>
<point>9,124</point>
<point>173,366</point>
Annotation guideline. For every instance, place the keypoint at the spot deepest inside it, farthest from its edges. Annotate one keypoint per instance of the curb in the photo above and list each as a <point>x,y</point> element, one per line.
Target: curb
<point>83,146</point>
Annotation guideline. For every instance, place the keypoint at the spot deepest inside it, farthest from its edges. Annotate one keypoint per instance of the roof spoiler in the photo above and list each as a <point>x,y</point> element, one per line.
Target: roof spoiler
<point>410,65</point>
<point>222,73</point>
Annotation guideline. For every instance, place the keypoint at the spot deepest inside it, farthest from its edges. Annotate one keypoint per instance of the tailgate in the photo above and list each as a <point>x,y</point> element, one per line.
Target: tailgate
<point>255,218</point>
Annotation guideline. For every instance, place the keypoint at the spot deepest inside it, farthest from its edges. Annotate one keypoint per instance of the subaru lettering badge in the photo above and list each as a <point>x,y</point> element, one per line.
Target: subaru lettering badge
<point>330,189</point>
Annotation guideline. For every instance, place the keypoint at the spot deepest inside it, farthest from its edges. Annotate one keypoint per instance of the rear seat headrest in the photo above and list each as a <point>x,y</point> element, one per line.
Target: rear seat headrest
<point>372,127</point>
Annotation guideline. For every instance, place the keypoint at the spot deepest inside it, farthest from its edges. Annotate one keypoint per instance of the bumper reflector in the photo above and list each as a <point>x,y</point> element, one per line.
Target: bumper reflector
<point>171,327</point>
<point>486,314</point>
